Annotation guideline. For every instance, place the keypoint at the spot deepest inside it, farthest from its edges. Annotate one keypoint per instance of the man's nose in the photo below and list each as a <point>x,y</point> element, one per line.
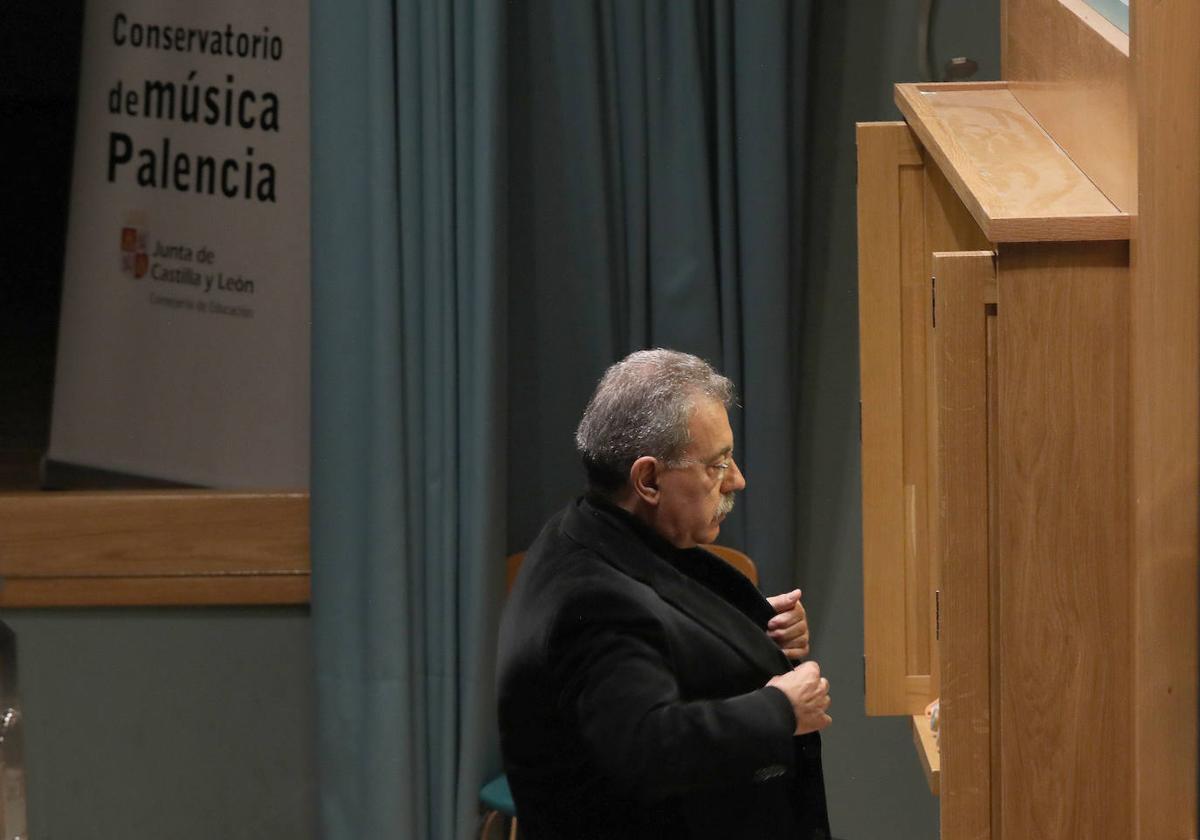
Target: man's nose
<point>734,480</point>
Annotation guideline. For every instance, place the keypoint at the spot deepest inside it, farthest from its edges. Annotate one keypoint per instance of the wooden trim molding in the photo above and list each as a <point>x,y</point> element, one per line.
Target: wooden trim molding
<point>166,547</point>
<point>963,499</point>
<point>893,300</point>
<point>1165,385</point>
<point>161,591</point>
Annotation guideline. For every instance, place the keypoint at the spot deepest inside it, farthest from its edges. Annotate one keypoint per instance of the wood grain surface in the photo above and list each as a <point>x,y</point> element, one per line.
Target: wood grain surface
<point>949,227</point>
<point>927,752</point>
<point>123,543</point>
<point>1165,371</point>
<point>159,591</point>
<point>1064,613</point>
<point>891,342</point>
<point>1017,182</point>
<point>1071,69</point>
<point>964,472</point>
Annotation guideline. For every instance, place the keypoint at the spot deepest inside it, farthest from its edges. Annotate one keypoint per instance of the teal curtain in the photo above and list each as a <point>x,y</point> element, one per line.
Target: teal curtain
<point>507,197</point>
<point>658,176</point>
<point>408,502</point>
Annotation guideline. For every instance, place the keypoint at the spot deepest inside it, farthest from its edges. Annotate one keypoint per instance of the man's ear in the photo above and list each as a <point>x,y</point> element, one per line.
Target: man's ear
<point>643,476</point>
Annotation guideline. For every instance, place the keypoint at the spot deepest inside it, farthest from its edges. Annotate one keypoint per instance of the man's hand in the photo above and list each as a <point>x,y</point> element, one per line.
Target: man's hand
<point>808,692</point>
<point>789,627</point>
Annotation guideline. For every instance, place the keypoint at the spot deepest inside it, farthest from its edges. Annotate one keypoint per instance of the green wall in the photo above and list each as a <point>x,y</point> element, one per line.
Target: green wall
<point>167,724</point>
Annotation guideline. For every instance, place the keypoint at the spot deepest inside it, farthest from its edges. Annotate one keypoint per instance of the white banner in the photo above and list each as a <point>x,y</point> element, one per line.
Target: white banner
<point>184,340</point>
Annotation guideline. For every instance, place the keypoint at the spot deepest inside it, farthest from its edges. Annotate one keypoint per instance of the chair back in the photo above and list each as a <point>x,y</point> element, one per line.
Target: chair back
<point>735,558</point>
<point>513,566</point>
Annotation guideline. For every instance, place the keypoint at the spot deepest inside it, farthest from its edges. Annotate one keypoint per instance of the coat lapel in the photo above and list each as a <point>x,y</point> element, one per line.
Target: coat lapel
<point>616,543</point>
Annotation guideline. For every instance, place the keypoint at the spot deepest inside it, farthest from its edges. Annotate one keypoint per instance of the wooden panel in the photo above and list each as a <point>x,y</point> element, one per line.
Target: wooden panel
<point>155,591</point>
<point>913,309</point>
<point>927,752</point>
<point>963,471</point>
<point>152,533</point>
<point>1070,68</point>
<point>896,586</point>
<point>162,544</point>
<point>948,227</point>
<point>1017,182</point>
<point>1165,381</point>
<point>914,325</point>
<point>1064,612</point>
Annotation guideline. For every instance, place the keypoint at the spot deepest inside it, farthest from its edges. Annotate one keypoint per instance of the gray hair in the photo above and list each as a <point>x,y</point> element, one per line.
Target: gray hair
<point>642,406</point>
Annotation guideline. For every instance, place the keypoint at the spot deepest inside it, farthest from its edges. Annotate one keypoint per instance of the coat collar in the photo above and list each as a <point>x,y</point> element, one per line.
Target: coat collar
<point>635,550</point>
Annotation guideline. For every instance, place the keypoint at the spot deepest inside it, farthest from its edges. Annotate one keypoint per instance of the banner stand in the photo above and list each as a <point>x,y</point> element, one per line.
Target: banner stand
<point>183,344</point>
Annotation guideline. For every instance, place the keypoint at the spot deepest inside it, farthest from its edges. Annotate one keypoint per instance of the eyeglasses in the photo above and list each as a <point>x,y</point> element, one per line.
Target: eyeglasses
<point>718,468</point>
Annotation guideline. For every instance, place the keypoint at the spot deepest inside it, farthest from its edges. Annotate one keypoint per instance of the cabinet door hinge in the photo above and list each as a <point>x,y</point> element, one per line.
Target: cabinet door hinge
<point>933,300</point>
<point>937,615</point>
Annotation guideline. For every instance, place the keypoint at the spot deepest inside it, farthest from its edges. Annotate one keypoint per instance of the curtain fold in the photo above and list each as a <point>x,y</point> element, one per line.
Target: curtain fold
<point>507,198</point>
<point>657,162</point>
<point>408,502</point>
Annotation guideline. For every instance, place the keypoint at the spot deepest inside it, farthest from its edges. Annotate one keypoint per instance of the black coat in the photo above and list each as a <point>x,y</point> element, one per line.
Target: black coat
<point>631,685</point>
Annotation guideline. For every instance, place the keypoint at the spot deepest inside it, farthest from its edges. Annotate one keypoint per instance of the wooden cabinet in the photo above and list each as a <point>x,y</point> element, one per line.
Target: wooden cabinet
<point>994,340</point>
<point>894,302</point>
<point>907,212</point>
<point>1030,357</point>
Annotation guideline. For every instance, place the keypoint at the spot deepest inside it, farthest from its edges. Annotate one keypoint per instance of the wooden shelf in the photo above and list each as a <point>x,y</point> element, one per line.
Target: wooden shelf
<point>157,591</point>
<point>153,548</point>
<point>927,751</point>
<point>1018,184</point>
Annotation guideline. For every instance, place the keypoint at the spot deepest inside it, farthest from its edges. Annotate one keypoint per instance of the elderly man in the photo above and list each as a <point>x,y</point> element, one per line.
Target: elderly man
<point>644,690</point>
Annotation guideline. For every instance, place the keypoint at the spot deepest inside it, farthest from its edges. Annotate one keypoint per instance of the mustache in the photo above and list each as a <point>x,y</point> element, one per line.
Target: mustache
<point>725,506</point>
